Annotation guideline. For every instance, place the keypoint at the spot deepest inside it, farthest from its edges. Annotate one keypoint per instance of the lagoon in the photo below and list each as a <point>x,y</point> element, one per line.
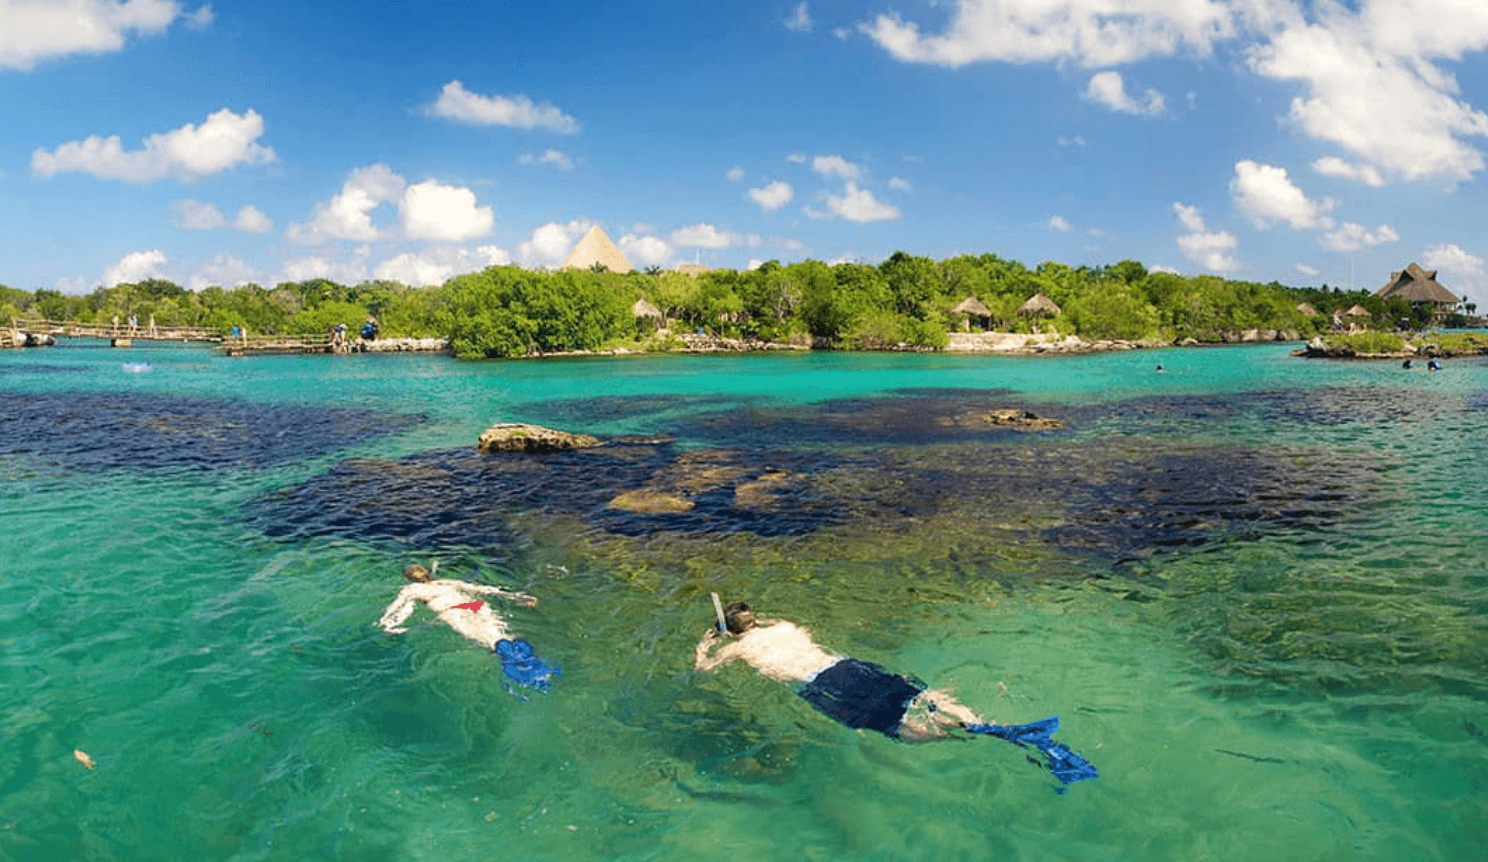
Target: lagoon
<point>1253,587</point>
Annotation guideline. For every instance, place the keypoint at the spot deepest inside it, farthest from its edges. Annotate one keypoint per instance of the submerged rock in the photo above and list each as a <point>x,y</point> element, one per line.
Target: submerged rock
<point>646,501</point>
<point>1026,419</point>
<point>532,439</point>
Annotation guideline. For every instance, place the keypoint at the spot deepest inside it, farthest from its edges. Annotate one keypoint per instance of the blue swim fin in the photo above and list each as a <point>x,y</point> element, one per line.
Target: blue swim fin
<point>1066,765</point>
<point>522,666</point>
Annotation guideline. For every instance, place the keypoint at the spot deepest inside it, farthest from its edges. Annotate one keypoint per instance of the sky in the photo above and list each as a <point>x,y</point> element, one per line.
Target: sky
<point>1301,141</point>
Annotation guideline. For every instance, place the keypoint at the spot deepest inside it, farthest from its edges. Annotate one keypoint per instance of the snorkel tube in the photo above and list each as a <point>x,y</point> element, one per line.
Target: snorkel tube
<point>718,609</point>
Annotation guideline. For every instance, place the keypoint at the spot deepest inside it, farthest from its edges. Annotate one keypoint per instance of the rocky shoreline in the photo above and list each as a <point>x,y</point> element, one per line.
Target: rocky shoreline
<point>1321,348</point>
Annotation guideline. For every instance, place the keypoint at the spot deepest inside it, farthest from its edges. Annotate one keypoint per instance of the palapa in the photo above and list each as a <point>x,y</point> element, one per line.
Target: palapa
<point>692,269</point>
<point>1039,304</point>
<point>972,305</point>
<point>596,248</point>
<point>1416,285</point>
<point>1357,311</point>
<point>642,308</point>
<point>1306,308</point>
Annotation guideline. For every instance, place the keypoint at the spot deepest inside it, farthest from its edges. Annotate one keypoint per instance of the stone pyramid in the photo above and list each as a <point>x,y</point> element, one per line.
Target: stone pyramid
<point>594,248</point>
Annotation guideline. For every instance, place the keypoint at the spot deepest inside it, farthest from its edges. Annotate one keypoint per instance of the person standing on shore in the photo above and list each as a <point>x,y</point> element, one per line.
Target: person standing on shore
<point>455,604</point>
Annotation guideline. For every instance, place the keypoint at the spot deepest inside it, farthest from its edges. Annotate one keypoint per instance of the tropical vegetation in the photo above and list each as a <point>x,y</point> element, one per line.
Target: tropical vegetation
<point>905,301</point>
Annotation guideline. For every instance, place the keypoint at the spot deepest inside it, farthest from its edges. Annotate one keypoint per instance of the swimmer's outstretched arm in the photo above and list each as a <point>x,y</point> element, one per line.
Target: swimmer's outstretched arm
<point>397,613</point>
<point>704,662</point>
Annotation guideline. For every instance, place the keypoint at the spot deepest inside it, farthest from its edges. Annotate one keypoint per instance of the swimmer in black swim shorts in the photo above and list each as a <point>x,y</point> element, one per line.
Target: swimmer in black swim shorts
<point>856,693</point>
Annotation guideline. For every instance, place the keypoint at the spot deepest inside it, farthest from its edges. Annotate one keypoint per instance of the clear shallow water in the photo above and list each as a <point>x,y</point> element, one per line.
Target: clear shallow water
<point>1253,587</point>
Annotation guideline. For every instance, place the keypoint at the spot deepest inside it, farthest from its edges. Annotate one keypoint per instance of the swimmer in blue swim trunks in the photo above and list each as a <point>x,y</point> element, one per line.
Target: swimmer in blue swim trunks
<point>856,693</point>
<point>456,605</point>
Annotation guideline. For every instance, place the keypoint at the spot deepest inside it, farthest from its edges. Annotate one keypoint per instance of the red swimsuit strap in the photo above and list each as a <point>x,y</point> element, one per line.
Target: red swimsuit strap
<point>472,606</point>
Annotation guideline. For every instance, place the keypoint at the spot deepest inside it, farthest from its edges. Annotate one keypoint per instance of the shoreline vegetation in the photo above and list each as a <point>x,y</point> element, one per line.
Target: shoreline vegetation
<point>965,304</point>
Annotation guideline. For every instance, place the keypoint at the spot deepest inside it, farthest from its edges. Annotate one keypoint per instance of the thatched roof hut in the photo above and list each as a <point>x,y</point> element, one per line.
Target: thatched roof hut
<point>1307,309</point>
<point>1357,311</point>
<point>1039,304</point>
<point>972,305</point>
<point>596,248</point>
<point>692,269</point>
<point>1416,286</point>
<point>642,308</point>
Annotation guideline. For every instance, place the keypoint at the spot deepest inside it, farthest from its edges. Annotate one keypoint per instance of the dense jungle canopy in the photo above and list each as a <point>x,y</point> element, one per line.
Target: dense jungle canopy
<point>905,300</point>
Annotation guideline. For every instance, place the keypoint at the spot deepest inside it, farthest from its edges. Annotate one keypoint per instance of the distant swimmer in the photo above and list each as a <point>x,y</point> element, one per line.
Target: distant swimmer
<point>862,695</point>
<point>455,604</point>
<point>1405,364</point>
<point>1159,368</point>
<point>1433,365</point>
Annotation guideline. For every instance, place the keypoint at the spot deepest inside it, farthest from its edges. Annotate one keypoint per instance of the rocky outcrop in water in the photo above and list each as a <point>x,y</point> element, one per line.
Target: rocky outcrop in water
<point>1025,419</point>
<point>532,439</point>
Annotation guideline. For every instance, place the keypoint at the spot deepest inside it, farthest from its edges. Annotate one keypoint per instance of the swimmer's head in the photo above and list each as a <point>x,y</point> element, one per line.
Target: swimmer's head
<point>416,573</point>
<point>739,617</point>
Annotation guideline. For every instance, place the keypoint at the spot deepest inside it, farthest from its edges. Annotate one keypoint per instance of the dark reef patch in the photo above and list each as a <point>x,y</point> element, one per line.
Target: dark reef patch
<point>1112,499</point>
<point>466,498</point>
<point>148,431</point>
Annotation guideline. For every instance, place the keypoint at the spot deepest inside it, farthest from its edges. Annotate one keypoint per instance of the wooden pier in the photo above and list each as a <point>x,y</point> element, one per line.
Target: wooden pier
<point>23,333</point>
<point>33,333</point>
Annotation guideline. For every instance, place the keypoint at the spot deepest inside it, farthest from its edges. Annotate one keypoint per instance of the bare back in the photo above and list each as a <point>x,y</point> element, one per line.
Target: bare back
<point>777,649</point>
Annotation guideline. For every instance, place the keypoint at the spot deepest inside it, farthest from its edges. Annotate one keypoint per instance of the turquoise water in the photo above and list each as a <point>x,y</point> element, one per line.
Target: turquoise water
<point>1253,587</point>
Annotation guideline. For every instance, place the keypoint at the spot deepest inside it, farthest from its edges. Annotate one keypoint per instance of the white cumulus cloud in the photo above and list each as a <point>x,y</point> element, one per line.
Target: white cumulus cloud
<point>437,266</point>
<point>1381,59</point>
<point>859,205</point>
<point>223,270</point>
<point>645,250</point>
<point>1266,193</point>
<point>1352,237</point>
<point>135,266</point>
<point>900,184</point>
<point>32,31</point>
<point>773,196</point>
<point>556,158</point>
<point>517,112</point>
<point>189,153</point>
<point>335,268</point>
<point>1109,88</point>
<point>1353,64</point>
<point>800,20</point>
<point>195,215</point>
<point>442,213</point>
<point>1309,271</point>
<point>1461,272</point>
<point>1210,250</point>
<point>703,235</point>
<point>550,244</point>
<point>428,210</point>
<point>836,166</point>
<point>735,174</point>
<point>1332,166</point>
<point>1061,224</point>
<point>348,215</point>
<point>1090,33</point>
<point>251,220</point>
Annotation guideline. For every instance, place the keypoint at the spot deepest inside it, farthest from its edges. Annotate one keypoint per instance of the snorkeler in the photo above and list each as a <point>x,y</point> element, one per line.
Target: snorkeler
<point>455,604</point>
<point>863,695</point>
<point>856,693</point>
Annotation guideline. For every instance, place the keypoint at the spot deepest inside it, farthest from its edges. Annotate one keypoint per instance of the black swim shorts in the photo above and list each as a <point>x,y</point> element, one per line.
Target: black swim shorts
<point>862,695</point>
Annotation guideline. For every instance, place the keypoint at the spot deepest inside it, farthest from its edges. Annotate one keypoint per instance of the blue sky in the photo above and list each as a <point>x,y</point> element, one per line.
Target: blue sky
<point>1303,142</point>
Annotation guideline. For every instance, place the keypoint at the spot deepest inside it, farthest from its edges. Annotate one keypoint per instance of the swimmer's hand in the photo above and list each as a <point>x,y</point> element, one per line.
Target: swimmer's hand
<point>395,630</point>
